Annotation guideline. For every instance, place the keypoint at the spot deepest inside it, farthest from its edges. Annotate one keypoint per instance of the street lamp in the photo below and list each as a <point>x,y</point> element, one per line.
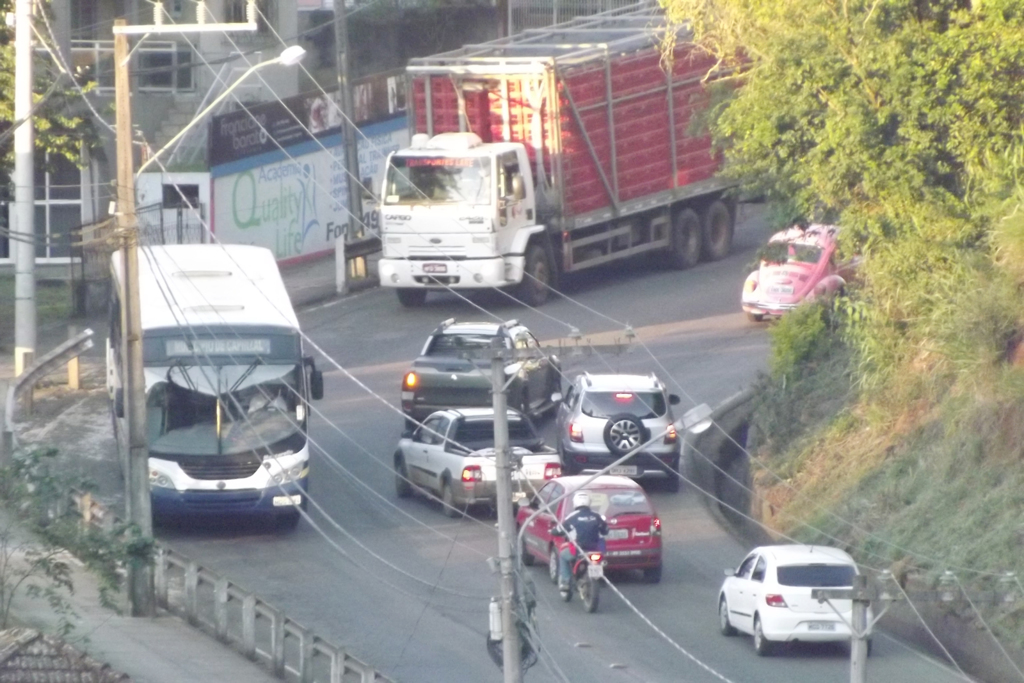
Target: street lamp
<point>290,56</point>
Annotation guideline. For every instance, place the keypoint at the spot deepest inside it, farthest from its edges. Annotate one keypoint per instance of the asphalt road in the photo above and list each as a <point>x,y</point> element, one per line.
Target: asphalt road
<point>407,589</point>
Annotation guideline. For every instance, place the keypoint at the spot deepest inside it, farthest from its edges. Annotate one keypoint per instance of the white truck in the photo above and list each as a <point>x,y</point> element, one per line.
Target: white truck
<point>550,152</point>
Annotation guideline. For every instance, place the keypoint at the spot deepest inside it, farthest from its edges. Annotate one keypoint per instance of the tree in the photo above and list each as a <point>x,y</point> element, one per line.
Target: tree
<point>901,119</point>
<point>59,127</point>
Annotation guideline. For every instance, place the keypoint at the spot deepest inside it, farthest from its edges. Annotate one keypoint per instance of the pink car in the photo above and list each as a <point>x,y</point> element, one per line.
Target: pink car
<point>799,264</point>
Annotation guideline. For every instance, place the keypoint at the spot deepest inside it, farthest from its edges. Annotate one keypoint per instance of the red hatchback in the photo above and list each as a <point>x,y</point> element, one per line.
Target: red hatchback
<point>634,536</point>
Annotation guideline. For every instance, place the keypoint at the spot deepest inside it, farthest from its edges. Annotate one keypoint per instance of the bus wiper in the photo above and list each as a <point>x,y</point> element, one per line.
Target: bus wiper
<point>180,365</point>
<point>248,371</point>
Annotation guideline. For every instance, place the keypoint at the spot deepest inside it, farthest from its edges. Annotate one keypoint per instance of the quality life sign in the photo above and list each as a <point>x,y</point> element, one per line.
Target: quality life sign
<point>293,201</point>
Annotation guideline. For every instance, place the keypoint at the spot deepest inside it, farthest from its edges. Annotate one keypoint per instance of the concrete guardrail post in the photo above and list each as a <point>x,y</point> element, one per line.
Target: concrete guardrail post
<point>220,608</point>
<point>337,665</point>
<point>160,577</point>
<point>249,626</point>
<point>74,368</point>
<point>277,643</point>
<point>306,656</point>
<point>192,593</point>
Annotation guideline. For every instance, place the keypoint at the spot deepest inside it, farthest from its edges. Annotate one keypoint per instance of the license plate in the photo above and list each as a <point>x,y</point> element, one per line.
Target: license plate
<point>614,534</point>
<point>282,501</point>
<point>624,470</point>
<point>821,626</point>
<point>518,495</point>
<point>595,571</point>
<point>780,290</point>
<point>435,267</point>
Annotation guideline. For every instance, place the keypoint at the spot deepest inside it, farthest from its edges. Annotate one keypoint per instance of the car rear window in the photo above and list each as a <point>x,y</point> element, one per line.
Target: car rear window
<point>816,575</point>
<point>641,404</point>
<point>449,344</point>
<point>477,434</point>
<point>615,502</point>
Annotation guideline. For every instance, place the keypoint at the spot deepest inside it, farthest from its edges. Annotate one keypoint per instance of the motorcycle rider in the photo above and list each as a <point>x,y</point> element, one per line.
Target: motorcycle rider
<point>584,527</point>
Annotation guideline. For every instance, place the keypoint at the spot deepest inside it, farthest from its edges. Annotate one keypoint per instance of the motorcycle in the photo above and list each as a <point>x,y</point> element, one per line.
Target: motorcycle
<point>585,577</point>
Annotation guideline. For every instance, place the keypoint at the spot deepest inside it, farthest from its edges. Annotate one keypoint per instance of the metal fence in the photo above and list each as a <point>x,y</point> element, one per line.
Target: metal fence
<point>180,225</point>
<point>238,618</point>
<point>527,14</point>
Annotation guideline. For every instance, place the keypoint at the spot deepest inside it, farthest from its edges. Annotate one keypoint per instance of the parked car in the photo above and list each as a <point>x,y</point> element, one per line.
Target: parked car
<point>443,377</point>
<point>452,456</point>
<point>769,596</point>
<point>797,265</point>
<point>603,417</point>
<point>634,536</point>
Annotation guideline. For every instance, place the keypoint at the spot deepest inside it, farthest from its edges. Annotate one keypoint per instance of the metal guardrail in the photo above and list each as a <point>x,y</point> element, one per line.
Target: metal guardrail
<point>239,619</point>
<point>27,381</point>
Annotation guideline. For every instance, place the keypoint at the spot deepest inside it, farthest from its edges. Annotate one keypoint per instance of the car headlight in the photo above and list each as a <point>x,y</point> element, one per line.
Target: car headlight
<point>750,285</point>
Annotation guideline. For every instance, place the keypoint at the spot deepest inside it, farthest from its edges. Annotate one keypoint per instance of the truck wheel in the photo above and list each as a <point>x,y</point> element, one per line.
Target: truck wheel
<point>411,298</point>
<point>718,225</point>
<point>536,276</point>
<point>686,240</point>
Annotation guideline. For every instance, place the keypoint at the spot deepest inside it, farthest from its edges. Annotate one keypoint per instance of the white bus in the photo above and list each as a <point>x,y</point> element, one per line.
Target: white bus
<point>227,384</point>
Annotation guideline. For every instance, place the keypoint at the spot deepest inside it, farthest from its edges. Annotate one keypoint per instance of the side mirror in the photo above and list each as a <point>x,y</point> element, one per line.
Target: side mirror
<point>518,189</point>
<point>674,400</point>
<point>556,397</point>
<point>316,384</point>
<point>119,402</point>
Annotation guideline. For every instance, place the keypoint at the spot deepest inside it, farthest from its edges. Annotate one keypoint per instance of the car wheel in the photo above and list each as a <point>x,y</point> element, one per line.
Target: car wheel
<point>448,501</point>
<point>553,564</point>
<point>717,231</point>
<point>725,627</point>
<point>755,317</point>
<point>653,574</point>
<point>536,277</point>
<point>624,433</point>
<point>685,248</point>
<point>762,646</point>
<point>403,488</point>
<point>411,298</point>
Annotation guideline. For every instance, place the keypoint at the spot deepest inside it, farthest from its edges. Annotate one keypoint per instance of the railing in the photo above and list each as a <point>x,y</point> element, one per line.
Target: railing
<point>527,14</point>
<point>239,619</point>
<point>161,225</point>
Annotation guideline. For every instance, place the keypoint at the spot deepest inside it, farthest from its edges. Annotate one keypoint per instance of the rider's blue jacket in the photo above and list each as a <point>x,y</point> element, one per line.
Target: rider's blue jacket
<point>589,527</point>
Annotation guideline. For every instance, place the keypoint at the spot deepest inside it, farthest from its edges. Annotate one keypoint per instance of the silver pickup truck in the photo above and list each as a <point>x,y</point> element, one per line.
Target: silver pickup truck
<point>444,376</point>
<point>452,456</point>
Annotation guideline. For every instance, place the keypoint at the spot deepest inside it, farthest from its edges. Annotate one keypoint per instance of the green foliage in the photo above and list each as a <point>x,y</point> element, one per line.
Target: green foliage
<point>38,490</point>
<point>798,339</point>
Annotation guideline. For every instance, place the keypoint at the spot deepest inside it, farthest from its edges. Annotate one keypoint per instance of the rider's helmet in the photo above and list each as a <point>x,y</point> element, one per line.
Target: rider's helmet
<point>581,499</point>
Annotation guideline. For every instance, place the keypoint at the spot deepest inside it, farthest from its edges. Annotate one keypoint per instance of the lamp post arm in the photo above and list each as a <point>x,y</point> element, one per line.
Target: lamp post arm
<point>198,117</point>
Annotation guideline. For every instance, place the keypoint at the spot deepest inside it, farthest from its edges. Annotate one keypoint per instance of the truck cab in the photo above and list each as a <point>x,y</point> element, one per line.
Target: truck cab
<point>455,213</point>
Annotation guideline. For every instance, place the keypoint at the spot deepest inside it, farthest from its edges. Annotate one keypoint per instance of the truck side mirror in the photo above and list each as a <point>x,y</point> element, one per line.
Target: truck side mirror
<point>316,384</point>
<point>518,189</point>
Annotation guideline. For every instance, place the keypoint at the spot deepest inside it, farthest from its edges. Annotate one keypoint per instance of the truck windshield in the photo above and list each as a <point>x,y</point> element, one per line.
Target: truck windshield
<point>438,180</point>
<point>224,410</point>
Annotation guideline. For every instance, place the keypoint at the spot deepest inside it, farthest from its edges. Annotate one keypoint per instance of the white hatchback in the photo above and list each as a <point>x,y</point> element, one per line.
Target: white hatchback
<point>769,596</point>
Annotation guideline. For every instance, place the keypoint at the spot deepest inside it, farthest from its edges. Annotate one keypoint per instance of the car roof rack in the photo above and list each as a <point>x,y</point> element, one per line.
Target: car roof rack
<point>513,322</point>
<point>444,324</point>
<point>586,376</point>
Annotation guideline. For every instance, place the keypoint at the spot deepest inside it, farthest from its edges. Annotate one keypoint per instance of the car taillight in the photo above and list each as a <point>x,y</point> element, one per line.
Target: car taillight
<point>750,285</point>
<point>552,470</point>
<point>410,380</point>
<point>774,600</point>
<point>595,557</point>
<point>656,526</point>
<point>670,434</point>
<point>575,432</point>
<point>472,473</point>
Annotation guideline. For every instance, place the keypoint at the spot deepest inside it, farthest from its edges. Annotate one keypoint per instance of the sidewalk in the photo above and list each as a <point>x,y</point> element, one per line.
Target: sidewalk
<point>313,282</point>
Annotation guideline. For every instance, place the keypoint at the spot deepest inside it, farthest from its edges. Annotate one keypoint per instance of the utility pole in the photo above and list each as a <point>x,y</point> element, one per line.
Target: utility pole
<point>349,132</point>
<point>140,574</point>
<point>861,597</point>
<point>510,647</point>
<point>24,249</point>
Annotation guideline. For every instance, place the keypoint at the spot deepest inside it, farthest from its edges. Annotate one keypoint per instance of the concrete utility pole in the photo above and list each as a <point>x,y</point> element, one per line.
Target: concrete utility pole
<point>349,132</point>
<point>510,647</point>
<point>140,512</point>
<point>861,597</point>
<point>24,246</point>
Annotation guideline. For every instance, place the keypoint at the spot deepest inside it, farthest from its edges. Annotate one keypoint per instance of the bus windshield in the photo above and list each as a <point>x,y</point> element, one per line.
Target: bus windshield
<point>438,180</point>
<point>225,410</point>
